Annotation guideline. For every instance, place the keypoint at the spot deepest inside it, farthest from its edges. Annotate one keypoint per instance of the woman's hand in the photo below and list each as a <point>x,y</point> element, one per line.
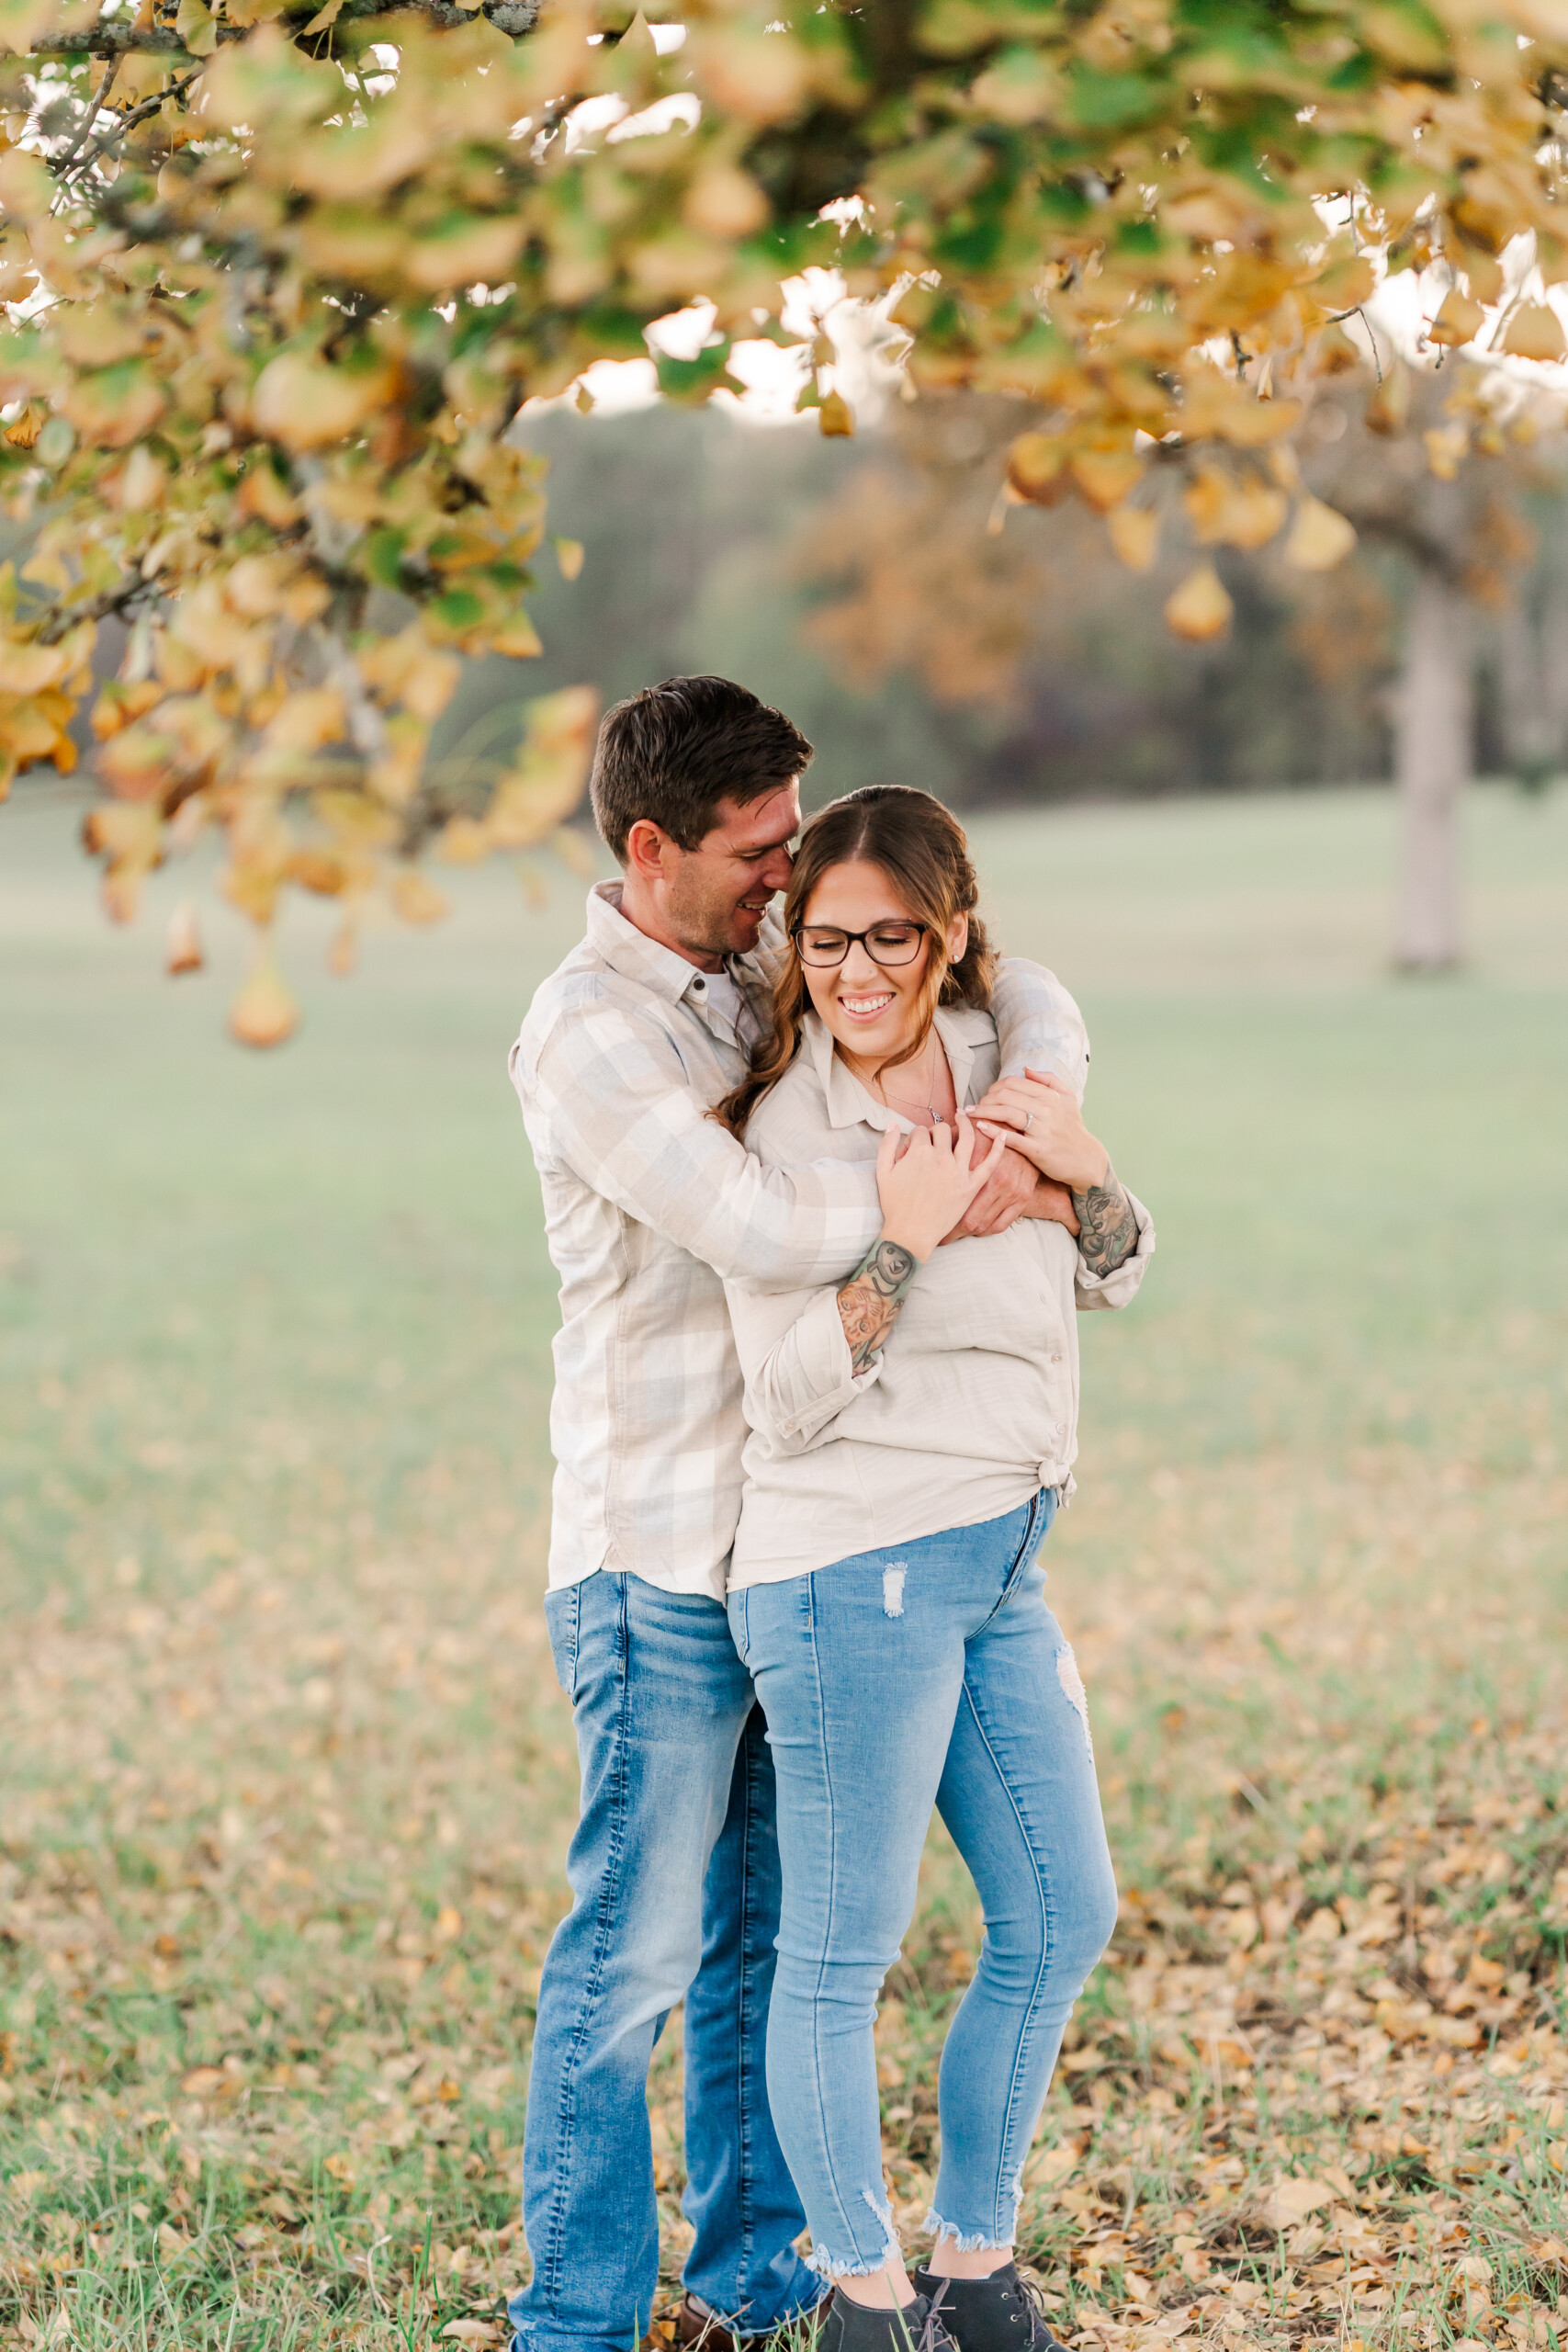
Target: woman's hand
<point>925,1182</point>
<point>1038,1114</point>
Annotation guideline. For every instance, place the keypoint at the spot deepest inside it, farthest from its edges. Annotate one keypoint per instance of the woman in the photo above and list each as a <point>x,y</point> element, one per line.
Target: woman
<point>911,1438</point>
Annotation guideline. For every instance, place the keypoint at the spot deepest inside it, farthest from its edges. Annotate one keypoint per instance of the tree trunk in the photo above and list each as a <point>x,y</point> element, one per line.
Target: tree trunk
<point>1434,731</point>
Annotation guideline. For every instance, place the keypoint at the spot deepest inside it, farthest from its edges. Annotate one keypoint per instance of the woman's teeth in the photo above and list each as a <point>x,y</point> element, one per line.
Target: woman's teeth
<point>864,1005</point>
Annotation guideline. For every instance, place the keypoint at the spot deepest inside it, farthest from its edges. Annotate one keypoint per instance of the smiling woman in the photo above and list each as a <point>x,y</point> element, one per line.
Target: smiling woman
<point>912,1432</point>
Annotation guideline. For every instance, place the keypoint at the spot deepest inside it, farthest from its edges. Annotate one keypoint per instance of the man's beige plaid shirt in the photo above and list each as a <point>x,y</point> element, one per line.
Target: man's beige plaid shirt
<point>649,1204</point>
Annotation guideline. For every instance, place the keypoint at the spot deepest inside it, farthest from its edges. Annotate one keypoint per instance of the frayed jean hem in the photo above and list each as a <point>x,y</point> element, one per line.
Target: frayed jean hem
<point>964,2241</point>
<point>825,2265</point>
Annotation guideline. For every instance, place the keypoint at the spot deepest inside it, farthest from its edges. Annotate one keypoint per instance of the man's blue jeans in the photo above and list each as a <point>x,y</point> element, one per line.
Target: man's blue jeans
<point>674,1876</point>
<point>929,1673</point>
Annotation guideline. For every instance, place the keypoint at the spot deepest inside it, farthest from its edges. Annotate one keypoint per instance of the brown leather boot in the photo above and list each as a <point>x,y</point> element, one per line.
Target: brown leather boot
<point>685,2329</point>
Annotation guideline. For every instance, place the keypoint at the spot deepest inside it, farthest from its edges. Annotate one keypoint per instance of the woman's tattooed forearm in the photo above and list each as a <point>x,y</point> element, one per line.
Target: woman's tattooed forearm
<point>1108,1229</point>
<point>870,1300</point>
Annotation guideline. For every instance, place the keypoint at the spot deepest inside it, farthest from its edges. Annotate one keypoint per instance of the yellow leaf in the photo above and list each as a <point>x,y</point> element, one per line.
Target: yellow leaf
<point>262,1014</point>
<point>1389,403</point>
<point>182,942</point>
<point>462,841</point>
<point>752,76</point>
<point>318,871</point>
<point>143,481</point>
<point>97,335</point>
<point>325,17</point>
<point>723,202</point>
<point>1135,534</point>
<point>1319,537</point>
<point>569,555</point>
<point>196,27</point>
<point>1035,464</point>
<point>258,583</point>
<point>315,716</point>
<point>305,404</point>
<point>1535,332</point>
<point>27,669</point>
<point>1222,511</point>
<point>1290,2201</point>
<point>518,638</point>
<point>202,2081</point>
<point>1445,444</point>
<point>1459,321</point>
<point>361,162</point>
<point>1200,608</point>
<point>114,408</point>
<point>418,901</point>
<point>360,246</point>
<point>472,249</point>
<point>1106,476</point>
<point>835,418</point>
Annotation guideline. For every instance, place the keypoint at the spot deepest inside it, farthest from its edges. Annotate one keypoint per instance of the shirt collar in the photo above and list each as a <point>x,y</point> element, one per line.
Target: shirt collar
<point>631,952</point>
<point>851,1104</point>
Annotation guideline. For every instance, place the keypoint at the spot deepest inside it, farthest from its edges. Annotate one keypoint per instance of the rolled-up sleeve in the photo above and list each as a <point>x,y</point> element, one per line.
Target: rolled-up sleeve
<point>1122,1286</point>
<point>1038,1026</point>
<point>799,1376</point>
<point>605,1093</point>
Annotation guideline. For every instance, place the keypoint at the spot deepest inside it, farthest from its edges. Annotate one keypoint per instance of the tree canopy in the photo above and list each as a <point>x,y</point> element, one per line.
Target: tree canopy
<point>280,278</point>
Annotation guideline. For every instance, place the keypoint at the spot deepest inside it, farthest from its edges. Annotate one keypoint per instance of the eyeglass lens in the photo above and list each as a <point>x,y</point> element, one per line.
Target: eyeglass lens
<point>890,944</point>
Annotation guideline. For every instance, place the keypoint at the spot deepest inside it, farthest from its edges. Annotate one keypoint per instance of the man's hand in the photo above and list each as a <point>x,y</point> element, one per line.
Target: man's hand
<point>1013,1191</point>
<point>1042,1120</point>
<point>1053,1204</point>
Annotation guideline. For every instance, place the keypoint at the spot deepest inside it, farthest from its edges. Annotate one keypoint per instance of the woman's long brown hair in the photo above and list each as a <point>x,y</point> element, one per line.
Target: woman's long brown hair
<point>922,849</point>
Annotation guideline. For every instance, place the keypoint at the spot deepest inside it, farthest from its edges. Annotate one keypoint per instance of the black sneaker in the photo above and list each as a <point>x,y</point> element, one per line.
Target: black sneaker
<point>1001,2314</point>
<point>846,2326</point>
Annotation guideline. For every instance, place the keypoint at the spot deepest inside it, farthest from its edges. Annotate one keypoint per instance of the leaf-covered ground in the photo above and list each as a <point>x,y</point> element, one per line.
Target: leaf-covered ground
<point>287,1776</point>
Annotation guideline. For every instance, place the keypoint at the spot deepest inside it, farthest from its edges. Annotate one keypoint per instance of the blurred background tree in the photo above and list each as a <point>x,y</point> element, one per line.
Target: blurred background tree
<point>281,278</point>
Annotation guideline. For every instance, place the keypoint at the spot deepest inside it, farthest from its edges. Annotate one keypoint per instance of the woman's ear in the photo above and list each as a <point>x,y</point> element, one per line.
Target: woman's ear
<point>957,939</point>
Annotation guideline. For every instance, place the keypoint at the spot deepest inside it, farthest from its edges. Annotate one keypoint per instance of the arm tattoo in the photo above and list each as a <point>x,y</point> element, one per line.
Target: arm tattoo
<point>870,1300</point>
<point>1109,1231</point>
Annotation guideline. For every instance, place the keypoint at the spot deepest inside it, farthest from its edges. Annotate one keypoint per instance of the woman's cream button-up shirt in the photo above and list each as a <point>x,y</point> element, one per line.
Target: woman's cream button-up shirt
<point>970,1408</point>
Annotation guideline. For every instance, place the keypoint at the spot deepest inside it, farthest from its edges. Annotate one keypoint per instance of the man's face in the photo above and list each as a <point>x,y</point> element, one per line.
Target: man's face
<point>716,895</point>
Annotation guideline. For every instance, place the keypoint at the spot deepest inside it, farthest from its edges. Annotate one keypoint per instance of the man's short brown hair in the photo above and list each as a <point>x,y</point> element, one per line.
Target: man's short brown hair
<point>671,753</point>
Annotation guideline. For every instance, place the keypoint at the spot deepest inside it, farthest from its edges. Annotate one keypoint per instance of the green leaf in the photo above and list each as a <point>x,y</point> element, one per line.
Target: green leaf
<point>459,609</point>
<point>1112,101</point>
<point>383,556</point>
<point>693,380</point>
<point>197,27</point>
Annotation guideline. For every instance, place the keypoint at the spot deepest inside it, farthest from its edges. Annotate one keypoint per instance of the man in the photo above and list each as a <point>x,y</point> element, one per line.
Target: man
<point>648,1204</point>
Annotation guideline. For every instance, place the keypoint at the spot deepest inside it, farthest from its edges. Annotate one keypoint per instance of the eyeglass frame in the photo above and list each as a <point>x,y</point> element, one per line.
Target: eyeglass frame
<point>861,939</point>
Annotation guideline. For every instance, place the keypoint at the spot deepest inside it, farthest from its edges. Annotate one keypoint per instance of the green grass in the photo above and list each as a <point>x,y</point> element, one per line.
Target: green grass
<point>287,1778</point>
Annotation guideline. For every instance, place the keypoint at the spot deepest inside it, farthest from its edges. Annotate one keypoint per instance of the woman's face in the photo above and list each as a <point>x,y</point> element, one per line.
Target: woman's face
<point>870,1008</point>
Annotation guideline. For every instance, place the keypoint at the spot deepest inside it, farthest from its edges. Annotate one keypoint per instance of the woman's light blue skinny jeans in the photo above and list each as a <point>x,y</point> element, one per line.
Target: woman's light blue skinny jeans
<point>932,1672</point>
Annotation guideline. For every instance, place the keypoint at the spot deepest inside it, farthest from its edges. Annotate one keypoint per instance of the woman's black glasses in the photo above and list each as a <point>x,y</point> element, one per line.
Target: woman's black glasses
<point>888,943</point>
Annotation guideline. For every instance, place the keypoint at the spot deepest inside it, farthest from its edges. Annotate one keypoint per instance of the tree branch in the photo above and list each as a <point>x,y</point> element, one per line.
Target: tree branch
<point>65,618</point>
<point>117,39</point>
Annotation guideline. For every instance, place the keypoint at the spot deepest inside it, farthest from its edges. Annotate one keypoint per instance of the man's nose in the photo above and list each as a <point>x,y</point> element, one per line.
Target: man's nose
<point>778,867</point>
